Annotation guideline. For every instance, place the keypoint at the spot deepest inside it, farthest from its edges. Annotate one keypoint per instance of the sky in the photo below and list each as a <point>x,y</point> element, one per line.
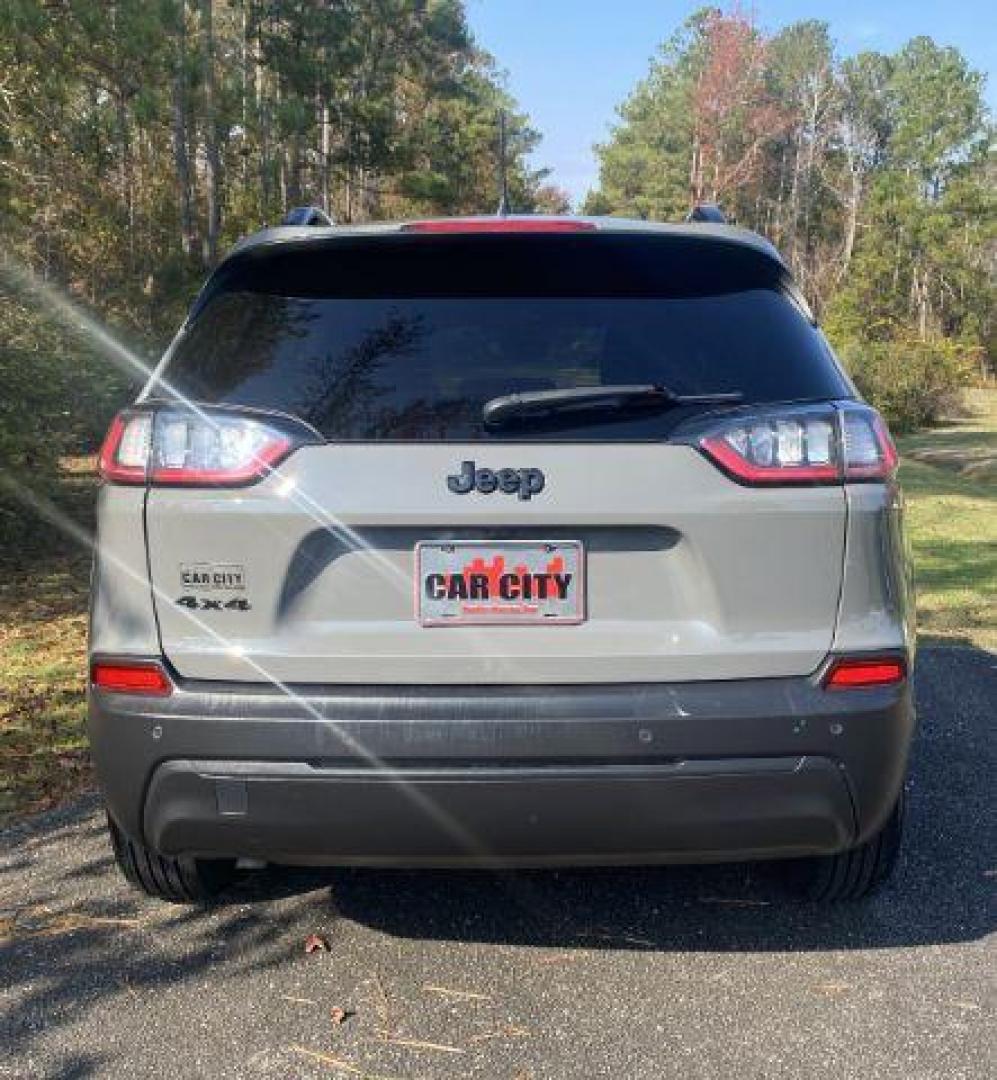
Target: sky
<point>569,63</point>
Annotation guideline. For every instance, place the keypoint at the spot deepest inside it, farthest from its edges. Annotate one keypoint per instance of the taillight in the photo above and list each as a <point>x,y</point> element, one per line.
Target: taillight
<point>124,456</point>
<point>209,447</point>
<point>809,445</point>
<point>131,677</point>
<point>777,447</point>
<point>191,448</point>
<point>869,453</point>
<point>854,673</point>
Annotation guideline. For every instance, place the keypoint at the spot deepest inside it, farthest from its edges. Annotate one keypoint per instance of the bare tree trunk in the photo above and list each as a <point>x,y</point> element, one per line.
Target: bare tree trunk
<point>294,195</point>
<point>794,200</point>
<point>210,247</point>
<point>808,167</point>
<point>695,173</point>
<point>326,149</point>
<point>181,159</point>
<point>923,299</point>
<point>350,140</point>
<point>852,206</point>
<point>127,172</point>
<point>244,103</point>
<point>780,199</point>
<point>263,120</point>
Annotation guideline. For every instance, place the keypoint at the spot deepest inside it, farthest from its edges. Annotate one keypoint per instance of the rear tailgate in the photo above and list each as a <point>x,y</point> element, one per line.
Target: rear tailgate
<point>688,576</point>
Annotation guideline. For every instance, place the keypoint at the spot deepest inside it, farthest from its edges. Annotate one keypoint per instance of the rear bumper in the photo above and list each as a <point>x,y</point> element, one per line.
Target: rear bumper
<point>516,775</point>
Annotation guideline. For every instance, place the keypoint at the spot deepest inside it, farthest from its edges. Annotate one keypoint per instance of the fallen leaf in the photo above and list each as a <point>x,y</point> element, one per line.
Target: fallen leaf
<point>314,943</point>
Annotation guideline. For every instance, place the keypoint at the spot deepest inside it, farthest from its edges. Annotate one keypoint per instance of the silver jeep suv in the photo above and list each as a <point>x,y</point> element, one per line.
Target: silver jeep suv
<point>519,541</point>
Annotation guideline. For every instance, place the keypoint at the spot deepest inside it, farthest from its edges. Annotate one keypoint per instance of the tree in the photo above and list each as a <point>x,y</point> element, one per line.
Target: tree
<point>869,173</point>
<point>645,165</point>
<point>211,153</point>
<point>139,139</point>
<point>864,125</point>
<point>921,261</point>
<point>734,115</point>
<point>801,76</point>
<point>940,114</point>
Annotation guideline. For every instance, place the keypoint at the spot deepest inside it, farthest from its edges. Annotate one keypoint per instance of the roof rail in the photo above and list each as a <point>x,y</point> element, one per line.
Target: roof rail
<point>307,215</point>
<point>707,211</point>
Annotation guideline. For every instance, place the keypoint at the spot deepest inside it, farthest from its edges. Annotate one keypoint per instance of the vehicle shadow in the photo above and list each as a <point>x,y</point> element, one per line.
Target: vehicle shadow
<point>943,891</point>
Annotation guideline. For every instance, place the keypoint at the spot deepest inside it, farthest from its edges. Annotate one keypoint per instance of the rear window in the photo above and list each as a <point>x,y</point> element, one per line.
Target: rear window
<point>455,322</point>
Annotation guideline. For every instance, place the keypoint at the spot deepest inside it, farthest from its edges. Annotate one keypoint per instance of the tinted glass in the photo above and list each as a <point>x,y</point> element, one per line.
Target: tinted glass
<point>422,367</point>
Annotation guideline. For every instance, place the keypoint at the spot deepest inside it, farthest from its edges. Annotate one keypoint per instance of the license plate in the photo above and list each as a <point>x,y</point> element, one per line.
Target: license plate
<point>464,582</point>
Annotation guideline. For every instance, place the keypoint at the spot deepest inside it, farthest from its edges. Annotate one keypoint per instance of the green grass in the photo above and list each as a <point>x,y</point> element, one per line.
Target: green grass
<point>950,478</point>
<point>948,475</point>
<point>43,599</point>
<point>967,444</point>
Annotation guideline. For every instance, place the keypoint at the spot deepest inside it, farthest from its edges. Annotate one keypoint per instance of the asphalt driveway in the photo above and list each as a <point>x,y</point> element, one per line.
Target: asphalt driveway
<point>648,973</point>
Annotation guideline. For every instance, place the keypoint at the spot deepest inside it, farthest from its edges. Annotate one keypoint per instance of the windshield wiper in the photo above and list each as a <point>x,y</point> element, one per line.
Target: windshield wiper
<point>540,403</point>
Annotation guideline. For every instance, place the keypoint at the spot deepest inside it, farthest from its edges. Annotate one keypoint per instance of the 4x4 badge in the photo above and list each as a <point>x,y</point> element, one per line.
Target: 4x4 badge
<point>522,482</point>
<point>207,603</point>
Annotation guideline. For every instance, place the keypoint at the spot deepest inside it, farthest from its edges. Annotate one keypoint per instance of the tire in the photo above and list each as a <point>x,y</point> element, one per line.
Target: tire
<point>854,874</point>
<point>180,880</point>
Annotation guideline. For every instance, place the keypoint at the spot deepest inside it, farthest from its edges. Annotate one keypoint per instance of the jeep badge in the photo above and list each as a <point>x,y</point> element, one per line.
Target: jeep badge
<point>522,482</point>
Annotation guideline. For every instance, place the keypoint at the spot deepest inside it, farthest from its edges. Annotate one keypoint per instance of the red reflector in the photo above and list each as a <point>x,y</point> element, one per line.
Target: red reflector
<point>856,673</point>
<point>127,678</point>
<point>499,225</point>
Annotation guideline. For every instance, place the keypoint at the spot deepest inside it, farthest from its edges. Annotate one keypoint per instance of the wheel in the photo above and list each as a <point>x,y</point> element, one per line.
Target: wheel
<point>853,874</point>
<point>181,881</point>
